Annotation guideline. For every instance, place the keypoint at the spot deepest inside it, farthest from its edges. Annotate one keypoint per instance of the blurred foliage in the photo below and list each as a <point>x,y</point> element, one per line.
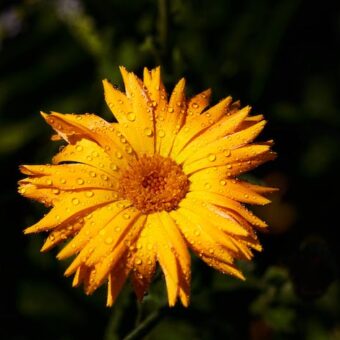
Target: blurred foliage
<point>282,57</point>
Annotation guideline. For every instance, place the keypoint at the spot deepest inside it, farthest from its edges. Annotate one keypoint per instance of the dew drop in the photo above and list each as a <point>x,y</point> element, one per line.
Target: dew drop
<point>212,157</point>
<point>128,149</point>
<point>56,191</point>
<point>80,181</point>
<point>119,155</point>
<point>108,240</point>
<point>170,109</point>
<point>117,229</point>
<point>161,133</point>
<point>223,182</point>
<point>113,167</point>
<point>138,261</point>
<point>131,116</point>
<point>79,148</point>
<point>195,105</point>
<point>75,201</point>
<point>197,233</point>
<point>126,216</point>
<point>63,180</point>
<point>229,166</point>
<point>49,182</point>
<point>89,194</point>
<point>207,185</point>
<point>104,177</point>
<point>93,174</point>
<point>227,153</point>
<point>79,117</point>
<point>148,132</point>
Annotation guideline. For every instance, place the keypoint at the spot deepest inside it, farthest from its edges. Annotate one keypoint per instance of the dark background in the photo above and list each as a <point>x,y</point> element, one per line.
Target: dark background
<point>281,57</point>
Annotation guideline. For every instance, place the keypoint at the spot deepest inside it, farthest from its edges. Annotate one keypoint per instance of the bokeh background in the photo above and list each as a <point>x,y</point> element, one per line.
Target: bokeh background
<point>282,57</point>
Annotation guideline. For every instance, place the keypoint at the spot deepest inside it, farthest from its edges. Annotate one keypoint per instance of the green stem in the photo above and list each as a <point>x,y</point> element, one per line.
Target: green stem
<point>146,325</point>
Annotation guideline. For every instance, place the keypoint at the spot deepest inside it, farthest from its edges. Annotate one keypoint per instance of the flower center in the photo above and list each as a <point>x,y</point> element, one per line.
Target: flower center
<point>153,183</point>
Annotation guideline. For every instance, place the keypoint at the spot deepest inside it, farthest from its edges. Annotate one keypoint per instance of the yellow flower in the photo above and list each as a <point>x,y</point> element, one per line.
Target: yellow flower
<point>144,190</point>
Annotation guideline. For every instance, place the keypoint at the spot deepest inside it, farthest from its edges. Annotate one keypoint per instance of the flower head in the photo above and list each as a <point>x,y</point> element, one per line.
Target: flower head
<point>144,190</point>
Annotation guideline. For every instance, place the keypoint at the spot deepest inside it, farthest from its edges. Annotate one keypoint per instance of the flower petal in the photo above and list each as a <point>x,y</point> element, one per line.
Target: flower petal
<point>197,237</point>
<point>213,229</point>
<point>197,104</point>
<point>226,125</point>
<point>231,205</point>
<point>92,225</point>
<point>158,96</point>
<point>117,256</point>
<point>166,258</point>
<point>208,157</point>
<point>174,118</point>
<point>88,152</point>
<point>194,128</point>
<point>117,278</point>
<point>142,115</point>
<point>75,127</point>
<point>217,182</point>
<point>61,234</point>
<point>223,267</point>
<point>204,209</point>
<point>143,261</point>
<point>73,205</point>
<point>69,177</point>
<point>180,249</point>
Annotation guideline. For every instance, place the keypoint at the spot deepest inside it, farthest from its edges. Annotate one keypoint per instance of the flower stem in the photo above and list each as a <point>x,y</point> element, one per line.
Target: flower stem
<point>146,325</point>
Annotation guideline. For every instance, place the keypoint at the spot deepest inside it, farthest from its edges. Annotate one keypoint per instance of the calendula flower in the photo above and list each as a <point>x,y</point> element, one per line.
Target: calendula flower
<point>144,190</point>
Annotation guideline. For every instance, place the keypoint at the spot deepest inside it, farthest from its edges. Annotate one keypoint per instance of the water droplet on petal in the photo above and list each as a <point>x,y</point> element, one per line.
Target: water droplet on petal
<point>80,181</point>
<point>161,133</point>
<point>223,182</point>
<point>119,155</point>
<point>79,148</point>
<point>138,261</point>
<point>207,185</point>
<point>131,116</point>
<point>126,216</point>
<point>49,182</point>
<point>93,174</point>
<point>195,105</point>
<point>212,157</point>
<point>89,194</point>
<point>148,132</point>
<point>170,109</point>
<point>75,201</point>
<point>128,149</point>
<point>63,180</point>
<point>227,153</point>
<point>113,167</point>
<point>56,191</point>
<point>108,240</point>
<point>104,177</point>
